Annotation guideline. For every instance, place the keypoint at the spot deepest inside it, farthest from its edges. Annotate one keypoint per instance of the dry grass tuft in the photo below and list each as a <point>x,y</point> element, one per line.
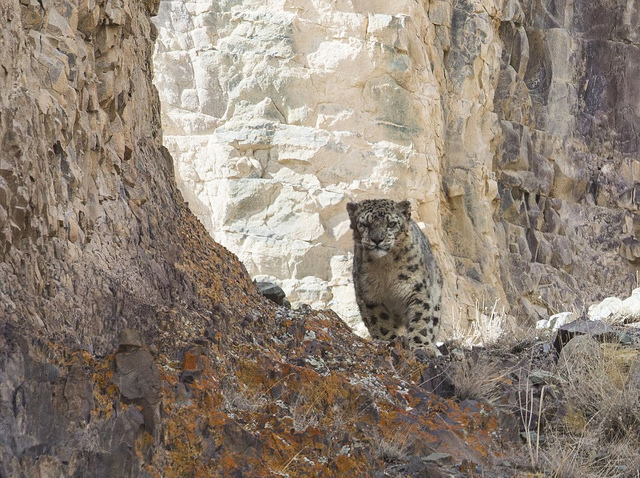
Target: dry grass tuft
<point>397,448</point>
<point>482,380</point>
<point>597,434</point>
<point>304,414</point>
<point>486,327</point>
<point>585,456</point>
<point>240,398</point>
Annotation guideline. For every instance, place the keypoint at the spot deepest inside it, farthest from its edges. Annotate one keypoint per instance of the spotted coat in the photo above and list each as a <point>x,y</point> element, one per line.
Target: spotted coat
<point>398,283</point>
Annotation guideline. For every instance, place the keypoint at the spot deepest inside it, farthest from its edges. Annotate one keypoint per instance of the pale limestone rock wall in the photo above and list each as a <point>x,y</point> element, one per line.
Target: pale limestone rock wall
<point>509,125</point>
<point>278,114</point>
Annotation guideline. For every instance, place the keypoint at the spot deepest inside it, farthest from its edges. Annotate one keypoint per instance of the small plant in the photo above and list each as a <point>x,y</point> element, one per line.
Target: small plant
<point>484,329</point>
<point>242,399</point>
<point>396,448</point>
<point>531,418</point>
<point>480,379</point>
<point>304,414</point>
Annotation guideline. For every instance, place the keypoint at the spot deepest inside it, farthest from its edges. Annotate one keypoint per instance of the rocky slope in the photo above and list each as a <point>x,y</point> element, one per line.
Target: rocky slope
<point>510,124</point>
<point>131,344</point>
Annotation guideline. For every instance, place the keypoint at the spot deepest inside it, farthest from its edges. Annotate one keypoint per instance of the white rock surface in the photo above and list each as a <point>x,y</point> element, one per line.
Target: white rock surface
<point>278,112</point>
<point>617,311</point>
<point>605,310</point>
<point>556,321</point>
<point>277,115</point>
<point>630,310</point>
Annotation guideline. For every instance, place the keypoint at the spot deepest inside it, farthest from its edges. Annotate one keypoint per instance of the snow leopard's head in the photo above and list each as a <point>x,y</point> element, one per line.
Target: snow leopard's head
<point>379,224</point>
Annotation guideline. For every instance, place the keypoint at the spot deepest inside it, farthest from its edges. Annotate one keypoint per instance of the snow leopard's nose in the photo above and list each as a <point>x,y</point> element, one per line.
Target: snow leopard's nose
<point>376,236</point>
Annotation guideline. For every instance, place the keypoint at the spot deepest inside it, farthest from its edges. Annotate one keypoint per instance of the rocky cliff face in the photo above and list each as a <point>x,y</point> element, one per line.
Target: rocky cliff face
<point>88,203</point>
<point>131,344</point>
<point>510,125</point>
<point>569,154</point>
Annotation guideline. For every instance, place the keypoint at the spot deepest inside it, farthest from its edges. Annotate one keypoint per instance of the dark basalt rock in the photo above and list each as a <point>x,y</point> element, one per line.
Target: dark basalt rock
<point>273,292</point>
<point>598,330</point>
<point>139,382</point>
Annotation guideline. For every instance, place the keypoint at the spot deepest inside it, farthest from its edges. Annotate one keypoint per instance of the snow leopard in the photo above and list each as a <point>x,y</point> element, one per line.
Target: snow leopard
<point>398,283</point>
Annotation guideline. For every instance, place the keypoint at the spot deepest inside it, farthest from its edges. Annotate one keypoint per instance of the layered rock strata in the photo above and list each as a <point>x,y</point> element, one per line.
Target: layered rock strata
<point>87,198</point>
<point>133,345</point>
<point>508,124</point>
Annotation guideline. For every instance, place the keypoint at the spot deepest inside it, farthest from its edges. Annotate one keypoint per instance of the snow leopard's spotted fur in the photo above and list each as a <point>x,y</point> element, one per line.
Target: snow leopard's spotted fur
<point>397,280</point>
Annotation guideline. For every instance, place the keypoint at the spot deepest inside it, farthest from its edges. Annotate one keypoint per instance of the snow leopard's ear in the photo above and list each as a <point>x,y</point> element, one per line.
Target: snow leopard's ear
<point>404,208</point>
<point>352,209</point>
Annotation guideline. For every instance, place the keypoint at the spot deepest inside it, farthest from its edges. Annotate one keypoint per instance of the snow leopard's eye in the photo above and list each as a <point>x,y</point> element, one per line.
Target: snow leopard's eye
<point>392,224</point>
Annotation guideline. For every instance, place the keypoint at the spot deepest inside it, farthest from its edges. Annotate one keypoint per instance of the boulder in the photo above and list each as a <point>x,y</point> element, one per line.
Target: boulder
<point>273,292</point>
<point>578,356</point>
<point>614,310</point>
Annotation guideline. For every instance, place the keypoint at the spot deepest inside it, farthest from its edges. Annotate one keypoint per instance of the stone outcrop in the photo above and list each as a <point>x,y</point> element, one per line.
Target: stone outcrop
<point>510,125</point>
<point>88,204</point>
<point>133,345</point>
<point>138,379</point>
<point>569,164</point>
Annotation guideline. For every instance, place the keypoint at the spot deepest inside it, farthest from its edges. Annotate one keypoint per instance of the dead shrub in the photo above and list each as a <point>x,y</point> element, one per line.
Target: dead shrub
<point>478,379</point>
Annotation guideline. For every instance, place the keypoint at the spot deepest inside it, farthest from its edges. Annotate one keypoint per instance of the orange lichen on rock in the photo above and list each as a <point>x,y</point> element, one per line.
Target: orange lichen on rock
<point>220,276</point>
<point>282,412</point>
<point>255,390</point>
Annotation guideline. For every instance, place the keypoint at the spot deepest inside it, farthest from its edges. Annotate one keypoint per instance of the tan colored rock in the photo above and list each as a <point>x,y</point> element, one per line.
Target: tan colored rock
<point>503,128</point>
<point>129,339</point>
<point>82,156</point>
<point>579,358</point>
<point>279,118</point>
